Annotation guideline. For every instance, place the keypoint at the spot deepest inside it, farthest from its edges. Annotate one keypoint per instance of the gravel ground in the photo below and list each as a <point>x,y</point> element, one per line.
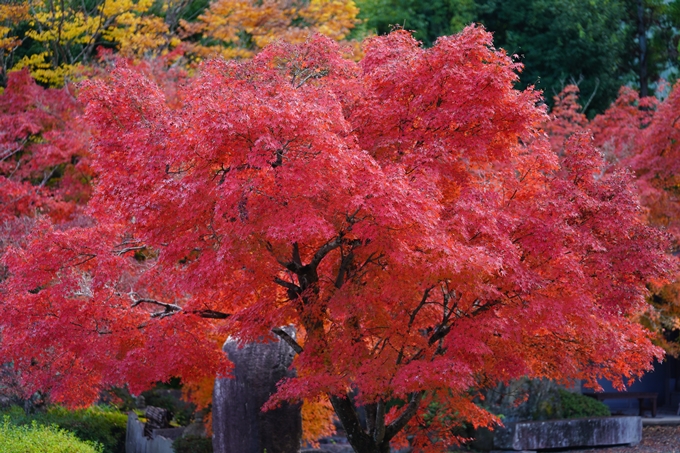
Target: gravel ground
<point>655,439</point>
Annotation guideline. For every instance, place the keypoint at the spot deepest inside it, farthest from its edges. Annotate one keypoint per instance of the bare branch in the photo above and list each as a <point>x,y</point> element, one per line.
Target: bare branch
<point>326,249</point>
<point>288,285</point>
<point>412,319</point>
<point>587,104</point>
<point>156,302</point>
<point>171,309</point>
<point>296,254</point>
<point>86,257</point>
<point>7,153</point>
<point>129,249</point>
<point>210,314</point>
<point>288,339</point>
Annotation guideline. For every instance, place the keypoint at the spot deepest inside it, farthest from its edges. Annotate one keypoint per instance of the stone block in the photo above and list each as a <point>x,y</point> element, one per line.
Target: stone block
<point>137,442</point>
<point>239,425</point>
<point>580,432</point>
<point>513,451</point>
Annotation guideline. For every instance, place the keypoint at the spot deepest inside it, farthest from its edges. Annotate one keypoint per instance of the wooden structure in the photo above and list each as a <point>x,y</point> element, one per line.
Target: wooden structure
<point>156,418</point>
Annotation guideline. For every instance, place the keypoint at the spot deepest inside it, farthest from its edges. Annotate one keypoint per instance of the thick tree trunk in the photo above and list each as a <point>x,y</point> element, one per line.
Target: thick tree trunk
<point>642,44</point>
<point>358,438</point>
<point>375,437</point>
<point>239,425</point>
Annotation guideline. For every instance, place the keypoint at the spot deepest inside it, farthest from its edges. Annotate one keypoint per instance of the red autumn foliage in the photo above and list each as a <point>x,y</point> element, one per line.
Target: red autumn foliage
<point>640,135</point>
<point>44,171</point>
<point>43,165</point>
<point>566,118</point>
<point>406,214</point>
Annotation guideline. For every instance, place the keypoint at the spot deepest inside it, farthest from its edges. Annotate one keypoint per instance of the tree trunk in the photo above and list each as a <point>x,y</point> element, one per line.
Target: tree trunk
<point>358,438</point>
<point>642,44</point>
<point>375,437</point>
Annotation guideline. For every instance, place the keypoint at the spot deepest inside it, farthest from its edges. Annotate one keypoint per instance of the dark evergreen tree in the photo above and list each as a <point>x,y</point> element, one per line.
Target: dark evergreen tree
<point>562,42</point>
<point>599,45</point>
<point>652,42</point>
<point>428,20</point>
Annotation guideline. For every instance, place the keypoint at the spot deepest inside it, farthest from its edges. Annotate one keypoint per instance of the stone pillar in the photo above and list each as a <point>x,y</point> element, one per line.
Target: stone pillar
<point>239,425</point>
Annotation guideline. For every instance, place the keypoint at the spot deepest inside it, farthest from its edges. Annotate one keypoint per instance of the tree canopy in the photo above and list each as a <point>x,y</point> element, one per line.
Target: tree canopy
<point>406,214</point>
<point>562,42</point>
<point>427,20</point>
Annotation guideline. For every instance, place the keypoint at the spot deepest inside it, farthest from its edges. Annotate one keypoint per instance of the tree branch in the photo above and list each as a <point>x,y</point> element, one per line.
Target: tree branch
<point>326,249</point>
<point>288,285</point>
<point>345,262</point>
<point>412,319</point>
<point>356,435</point>
<point>296,254</point>
<point>129,249</point>
<point>393,428</point>
<point>439,333</point>
<point>166,305</point>
<point>288,339</point>
<point>379,433</point>
<point>210,314</point>
<point>171,309</point>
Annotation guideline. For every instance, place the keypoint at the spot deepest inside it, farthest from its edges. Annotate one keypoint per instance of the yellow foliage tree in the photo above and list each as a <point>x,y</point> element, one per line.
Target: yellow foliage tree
<point>239,28</point>
<point>70,32</point>
<point>12,13</point>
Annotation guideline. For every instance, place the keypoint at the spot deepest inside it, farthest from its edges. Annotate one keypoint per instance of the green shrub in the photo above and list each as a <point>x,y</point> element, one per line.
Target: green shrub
<point>192,444</point>
<point>41,439</point>
<point>103,425</point>
<point>575,405</point>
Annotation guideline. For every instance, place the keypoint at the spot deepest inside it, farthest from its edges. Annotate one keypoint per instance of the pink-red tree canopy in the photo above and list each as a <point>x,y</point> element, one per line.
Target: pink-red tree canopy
<point>406,214</point>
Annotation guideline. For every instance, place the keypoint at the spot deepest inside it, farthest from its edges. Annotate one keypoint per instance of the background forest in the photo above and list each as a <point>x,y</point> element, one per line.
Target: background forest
<point>599,46</point>
<point>566,128</point>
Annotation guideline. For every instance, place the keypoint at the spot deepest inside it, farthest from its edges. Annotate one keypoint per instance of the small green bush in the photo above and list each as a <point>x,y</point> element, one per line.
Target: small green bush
<point>192,444</point>
<point>575,405</point>
<point>41,439</point>
<point>103,425</point>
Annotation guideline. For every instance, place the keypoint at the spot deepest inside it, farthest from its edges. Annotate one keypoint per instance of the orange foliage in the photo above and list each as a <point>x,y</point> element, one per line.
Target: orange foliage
<point>317,420</point>
<point>68,34</point>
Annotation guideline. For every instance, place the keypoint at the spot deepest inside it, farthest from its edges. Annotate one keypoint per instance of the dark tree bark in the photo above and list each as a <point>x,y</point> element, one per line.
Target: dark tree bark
<point>642,45</point>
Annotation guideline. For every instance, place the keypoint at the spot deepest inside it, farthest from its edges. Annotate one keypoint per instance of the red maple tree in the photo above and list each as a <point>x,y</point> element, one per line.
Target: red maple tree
<point>642,134</point>
<point>44,170</point>
<point>406,214</point>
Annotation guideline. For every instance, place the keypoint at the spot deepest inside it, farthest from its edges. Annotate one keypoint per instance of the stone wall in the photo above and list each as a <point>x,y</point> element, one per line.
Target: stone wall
<point>159,442</point>
<point>578,432</point>
<point>239,425</point>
